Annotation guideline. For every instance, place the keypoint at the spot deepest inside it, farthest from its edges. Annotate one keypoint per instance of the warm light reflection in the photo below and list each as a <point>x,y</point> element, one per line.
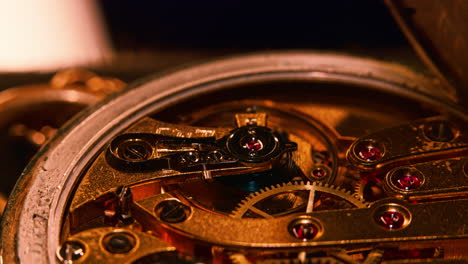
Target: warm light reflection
<point>45,35</point>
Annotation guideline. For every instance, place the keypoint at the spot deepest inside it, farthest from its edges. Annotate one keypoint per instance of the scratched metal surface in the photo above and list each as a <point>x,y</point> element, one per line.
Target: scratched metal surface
<point>438,30</point>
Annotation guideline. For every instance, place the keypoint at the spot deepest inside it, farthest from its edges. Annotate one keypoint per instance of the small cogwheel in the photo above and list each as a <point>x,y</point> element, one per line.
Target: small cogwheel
<point>293,197</point>
<point>359,190</point>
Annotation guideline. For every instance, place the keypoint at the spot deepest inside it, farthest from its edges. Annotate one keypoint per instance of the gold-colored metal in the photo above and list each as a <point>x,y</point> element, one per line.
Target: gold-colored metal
<point>409,144</point>
<point>271,233</point>
<point>3,202</point>
<point>102,178</point>
<point>438,179</point>
<point>95,246</point>
<point>290,192</point>
<point>260,219</point>
<point>145,185</point>
<point>259,119</point>
<point>86,80</point>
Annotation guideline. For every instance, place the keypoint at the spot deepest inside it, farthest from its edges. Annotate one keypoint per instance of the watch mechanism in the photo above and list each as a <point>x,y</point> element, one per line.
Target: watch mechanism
<point>269,158</point>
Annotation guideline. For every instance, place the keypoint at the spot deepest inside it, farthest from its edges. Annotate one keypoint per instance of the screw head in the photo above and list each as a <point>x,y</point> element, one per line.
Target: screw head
<point>119,242</point>
<point>172,211</point>
<point>215,156</point>
<point>135,149</point>
<point>304,229</point>
<point>192,157</point>
<point>439,130</point>
<point>70,251</point>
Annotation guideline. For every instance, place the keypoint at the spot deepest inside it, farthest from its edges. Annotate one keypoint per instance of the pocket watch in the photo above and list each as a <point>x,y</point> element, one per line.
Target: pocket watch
<point>280,157</point>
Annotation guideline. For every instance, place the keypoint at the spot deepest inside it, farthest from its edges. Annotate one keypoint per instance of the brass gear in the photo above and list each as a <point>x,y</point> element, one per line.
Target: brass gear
<point>359,189</point>
<point>249,203</point>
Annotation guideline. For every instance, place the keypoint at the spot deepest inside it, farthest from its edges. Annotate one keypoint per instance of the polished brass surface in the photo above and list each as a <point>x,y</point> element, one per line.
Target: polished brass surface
<point>297,166</point>
<point>94,241</point>
<point>259,221</point>
<point>271,196</point>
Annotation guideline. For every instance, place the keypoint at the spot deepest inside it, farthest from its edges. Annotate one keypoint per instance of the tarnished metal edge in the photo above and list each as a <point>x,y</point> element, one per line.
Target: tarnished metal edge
<point>409,32</point>
<point>55,170</point>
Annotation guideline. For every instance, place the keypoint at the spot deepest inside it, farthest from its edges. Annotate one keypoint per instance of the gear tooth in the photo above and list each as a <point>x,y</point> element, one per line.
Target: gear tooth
<point>357,186</point>
<point>235,211</point>
<point>337,191</point>
<point>358,190</point>
<point>233,214</point>
<point>251,196</point>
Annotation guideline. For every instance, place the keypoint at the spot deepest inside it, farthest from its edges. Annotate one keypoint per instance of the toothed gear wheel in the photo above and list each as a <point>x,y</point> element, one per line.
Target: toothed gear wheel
<point>359,190</point>
<point>293,197</point>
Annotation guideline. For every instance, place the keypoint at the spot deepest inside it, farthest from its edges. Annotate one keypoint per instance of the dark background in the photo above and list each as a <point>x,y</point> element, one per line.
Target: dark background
<point>252,25</point>
<point>149,36</point>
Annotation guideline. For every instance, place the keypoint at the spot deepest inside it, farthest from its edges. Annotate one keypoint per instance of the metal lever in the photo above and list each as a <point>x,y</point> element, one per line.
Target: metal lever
<point>248,148</point>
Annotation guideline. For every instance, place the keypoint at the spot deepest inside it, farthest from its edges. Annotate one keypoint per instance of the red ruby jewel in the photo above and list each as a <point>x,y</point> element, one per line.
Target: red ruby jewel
<point>253,144</point>
<point>304,231</point>
<point>319,173</point>
<point>369,153</point>
<point>408,182</point>
<point>391,220</point>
